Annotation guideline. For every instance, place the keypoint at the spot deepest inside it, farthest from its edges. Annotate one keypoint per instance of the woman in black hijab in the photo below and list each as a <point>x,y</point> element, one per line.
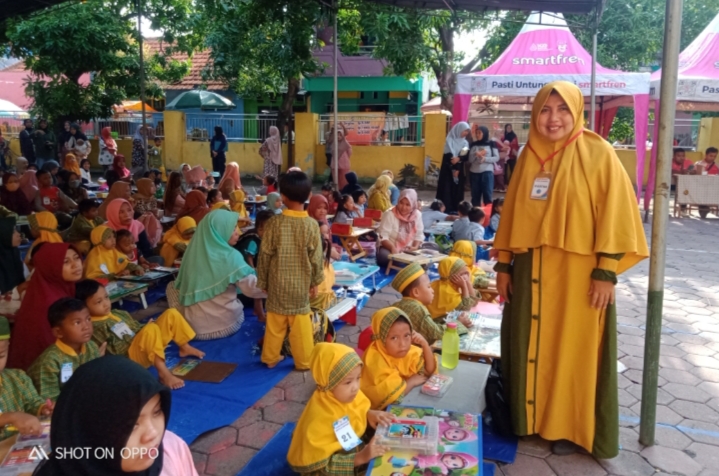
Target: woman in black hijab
<point>510,137</point>
<point>114,404</point>
<point>11,271</point>
<point>218,149</point>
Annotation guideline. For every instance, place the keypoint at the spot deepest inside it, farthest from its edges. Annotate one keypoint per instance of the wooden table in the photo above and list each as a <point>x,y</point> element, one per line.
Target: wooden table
<point>480,344</point>
<point>423,258</point>
<point>351,243</point>
<point>119,290</point>
<point>697,191</point>
<point>466,394</point>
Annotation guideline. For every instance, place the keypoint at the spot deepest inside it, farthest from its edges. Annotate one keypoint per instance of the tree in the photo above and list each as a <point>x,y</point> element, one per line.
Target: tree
<point>263,47</point>
<point>61,44</point>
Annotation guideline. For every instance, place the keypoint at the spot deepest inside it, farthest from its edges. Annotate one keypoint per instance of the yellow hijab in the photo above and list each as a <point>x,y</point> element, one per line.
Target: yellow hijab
<point>467,251</point>
<point>45,224</point>
<point>173,237</point>
<point>100,261</point>
<point>446,295</point>
<point>314,440</point>
<point>237,203</point>
<point>72,165</point>
<point>379,196</point>
<point>383,376</point>
<point>591,206</point>
<point>221,206</point>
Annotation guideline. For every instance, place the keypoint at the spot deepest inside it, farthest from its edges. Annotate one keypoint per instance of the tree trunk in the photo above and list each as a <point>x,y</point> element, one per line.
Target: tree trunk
<point>285,115</point>
<point>446,77</point>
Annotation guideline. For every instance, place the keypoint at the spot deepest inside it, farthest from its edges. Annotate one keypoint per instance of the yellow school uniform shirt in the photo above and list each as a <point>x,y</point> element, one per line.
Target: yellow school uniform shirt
<point>446,296</point>
<point>103,262</point>
<point>173,242</point>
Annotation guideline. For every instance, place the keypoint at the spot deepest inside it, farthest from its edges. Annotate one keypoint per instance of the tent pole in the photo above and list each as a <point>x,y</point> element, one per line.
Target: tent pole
<point>335,147</point>
<point>593,94</point>
<point>655,297</point>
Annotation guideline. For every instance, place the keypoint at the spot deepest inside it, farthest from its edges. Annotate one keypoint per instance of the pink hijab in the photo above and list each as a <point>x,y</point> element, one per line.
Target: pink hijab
<point>407,223</point>
<point>315,202</point>
<point>113,219</point>
<point>29,185</point>
<point>274,146</point>
<point>232,171</point>
<point>195,177</point>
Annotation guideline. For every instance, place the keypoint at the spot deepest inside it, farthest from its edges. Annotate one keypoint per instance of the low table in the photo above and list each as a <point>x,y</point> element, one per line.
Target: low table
<point>480,344</point>
<point>351,243</point>
<point>466,394</point>
<point>422,258</point>
<point>363,271</point>
<point>255,203</point>
<point>119,290</point>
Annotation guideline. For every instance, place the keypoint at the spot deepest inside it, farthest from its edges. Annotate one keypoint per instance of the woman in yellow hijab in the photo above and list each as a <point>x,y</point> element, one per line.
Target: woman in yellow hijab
<point>379,194</point>
<point>237,203</point>
<point>392,365</point>
<point>569,225</point>
<point>104,260</point>
<point>43,227</point>
<point>453,291</point>
<point>315,448</point>
<point>175,241</point>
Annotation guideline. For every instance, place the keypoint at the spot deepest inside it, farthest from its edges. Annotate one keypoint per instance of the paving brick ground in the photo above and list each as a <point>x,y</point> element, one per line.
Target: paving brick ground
<point>687,436</point>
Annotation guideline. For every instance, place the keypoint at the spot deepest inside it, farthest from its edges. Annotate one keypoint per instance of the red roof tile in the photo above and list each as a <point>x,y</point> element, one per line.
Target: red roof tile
<point>199,61</point>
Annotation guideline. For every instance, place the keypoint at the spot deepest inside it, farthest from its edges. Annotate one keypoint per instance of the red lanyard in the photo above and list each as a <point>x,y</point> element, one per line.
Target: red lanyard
<point>542,162</point>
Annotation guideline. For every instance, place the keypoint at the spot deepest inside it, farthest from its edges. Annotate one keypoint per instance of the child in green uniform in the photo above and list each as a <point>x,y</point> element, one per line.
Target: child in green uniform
<point>71,324</point>
<point>145,344</point>
<point>19,401</point>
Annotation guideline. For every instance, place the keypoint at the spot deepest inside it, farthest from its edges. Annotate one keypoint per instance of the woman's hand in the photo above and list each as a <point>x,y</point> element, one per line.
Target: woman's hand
<point>504,285</point>
<point>601,293</point>
<point>454,160</point>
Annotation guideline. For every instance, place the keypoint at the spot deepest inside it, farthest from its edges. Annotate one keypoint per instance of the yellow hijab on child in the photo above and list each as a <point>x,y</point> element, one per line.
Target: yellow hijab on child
<point>383,376</point>
<point>100,261</point>
<point>467,251</point>
<point>237,203</point>
<point>590,169</point>
<point>45,225</point>
<point>314,440</point>
<point>174,237</point>
<point>446,295</point>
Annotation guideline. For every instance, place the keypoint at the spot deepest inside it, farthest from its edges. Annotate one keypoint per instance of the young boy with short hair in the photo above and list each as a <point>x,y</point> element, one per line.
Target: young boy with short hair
<point>144,344</point>
<point>84,222</point>
<point>125,243</point>
<point>417,294</point>
<point>70,322</point>
<point>49,197</point>
<point>19,401</point>
<point>289,268</point>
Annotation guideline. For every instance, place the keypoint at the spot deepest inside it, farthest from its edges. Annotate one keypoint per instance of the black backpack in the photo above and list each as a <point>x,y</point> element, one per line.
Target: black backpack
<point>497,403</point>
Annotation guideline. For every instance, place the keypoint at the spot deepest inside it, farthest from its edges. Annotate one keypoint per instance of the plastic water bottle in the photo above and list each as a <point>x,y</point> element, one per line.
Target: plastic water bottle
<point>450,346</point>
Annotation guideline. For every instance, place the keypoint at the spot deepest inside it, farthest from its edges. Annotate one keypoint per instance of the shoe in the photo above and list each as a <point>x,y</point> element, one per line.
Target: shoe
<point>564,448</point>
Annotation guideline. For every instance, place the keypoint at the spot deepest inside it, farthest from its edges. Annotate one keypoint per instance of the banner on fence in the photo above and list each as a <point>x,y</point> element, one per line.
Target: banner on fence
<point>363,128</point>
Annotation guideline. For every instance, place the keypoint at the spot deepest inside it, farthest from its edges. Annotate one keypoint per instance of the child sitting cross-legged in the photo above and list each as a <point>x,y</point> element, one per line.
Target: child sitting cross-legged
<point>392,364</point>
<point>104,260</point>
<point>453,291</point>
<point>176,240</point>
<point>144,344</point>
<point>417,294</point>
<point>20,402</point>
<point>70,322</point>
<point>315,448</point>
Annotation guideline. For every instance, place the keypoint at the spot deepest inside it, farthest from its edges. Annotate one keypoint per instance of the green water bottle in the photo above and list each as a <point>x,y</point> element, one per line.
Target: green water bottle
<point>450,346</point>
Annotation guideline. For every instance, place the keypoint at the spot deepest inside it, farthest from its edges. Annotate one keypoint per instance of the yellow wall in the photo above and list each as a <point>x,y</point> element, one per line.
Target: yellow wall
<point>368,162</point>
<point>628,158</point>
<point>435,134</point>
<point>246,154</point>
<point>708,133</point>
<point>305,139</point>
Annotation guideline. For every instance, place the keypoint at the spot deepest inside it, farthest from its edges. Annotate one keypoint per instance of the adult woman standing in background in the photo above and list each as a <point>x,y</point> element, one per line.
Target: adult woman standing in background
<point>218,149</point>
<point>449,191</point>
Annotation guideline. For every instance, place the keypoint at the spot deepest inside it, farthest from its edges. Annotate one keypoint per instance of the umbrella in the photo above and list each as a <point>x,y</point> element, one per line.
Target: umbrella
<point>197,99</point>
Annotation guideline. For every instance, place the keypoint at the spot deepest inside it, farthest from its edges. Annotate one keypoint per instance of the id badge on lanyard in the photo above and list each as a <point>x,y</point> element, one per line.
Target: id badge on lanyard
<point>543,180</point>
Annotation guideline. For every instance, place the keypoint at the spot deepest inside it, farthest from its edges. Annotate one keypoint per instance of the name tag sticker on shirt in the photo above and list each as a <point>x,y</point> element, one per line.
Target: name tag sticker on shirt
<point>540,187</point>
<point>103,268</point>
<point>46,200</point>
<point>121,329</point>
<point>65,372</point>
<point>346,434</point>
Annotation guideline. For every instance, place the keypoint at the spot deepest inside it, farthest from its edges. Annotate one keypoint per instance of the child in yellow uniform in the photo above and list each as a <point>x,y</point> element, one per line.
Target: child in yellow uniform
<point>237,203</point>
<point>315,448</point>
<point>392,365</point>
<point>70,322</point>
<point>453,291</point>
<point>104,260</point>
<point>175,241</point>
<point>290,267</point>
<point>325,297</point>
<point>144,344</point>
<point>19,401</point>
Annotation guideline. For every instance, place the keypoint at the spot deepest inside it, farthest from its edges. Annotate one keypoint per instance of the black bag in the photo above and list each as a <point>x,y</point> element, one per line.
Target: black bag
<point>497,403</point>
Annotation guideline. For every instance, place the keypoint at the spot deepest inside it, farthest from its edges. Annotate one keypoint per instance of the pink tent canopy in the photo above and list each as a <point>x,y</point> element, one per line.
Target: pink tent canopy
<point>545,50</point>
<point>697,85</point>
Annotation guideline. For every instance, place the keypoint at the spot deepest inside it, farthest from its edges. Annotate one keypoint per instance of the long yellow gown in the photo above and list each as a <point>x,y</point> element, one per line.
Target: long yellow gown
<point>558,353</point>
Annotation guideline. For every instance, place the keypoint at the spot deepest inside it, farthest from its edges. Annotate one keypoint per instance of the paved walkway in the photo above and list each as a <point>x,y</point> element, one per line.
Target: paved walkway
<point>687,435</point>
